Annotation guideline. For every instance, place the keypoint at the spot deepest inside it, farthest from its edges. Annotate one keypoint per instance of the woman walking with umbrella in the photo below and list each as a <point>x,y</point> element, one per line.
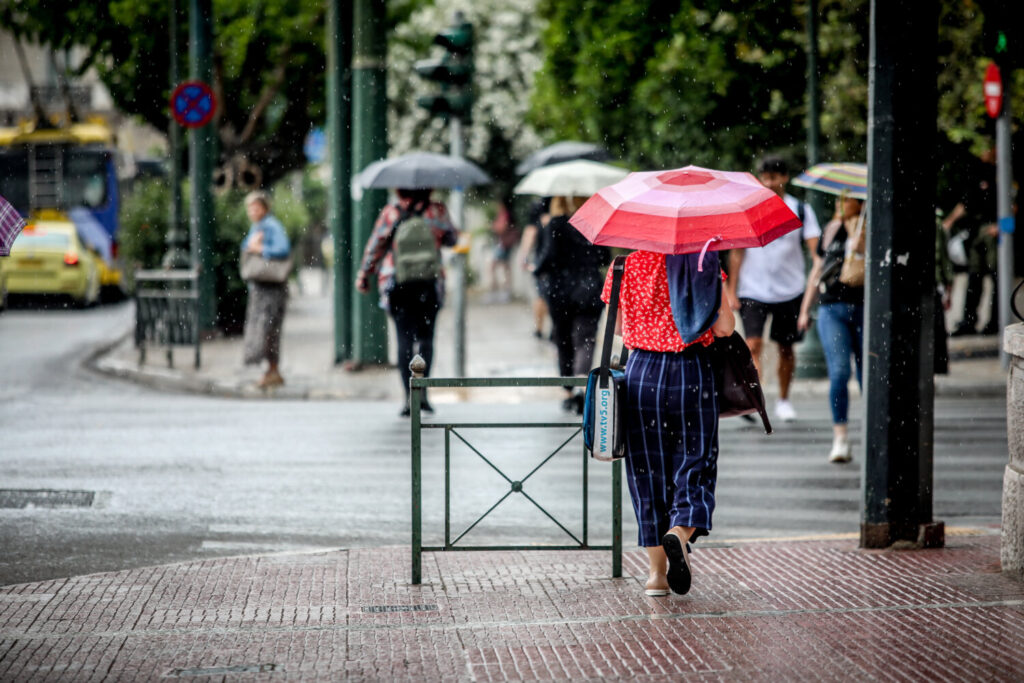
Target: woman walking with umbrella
<point>404,252</point>
<point>671,309</point>
<point>840,299</point>
<point>404,248</point>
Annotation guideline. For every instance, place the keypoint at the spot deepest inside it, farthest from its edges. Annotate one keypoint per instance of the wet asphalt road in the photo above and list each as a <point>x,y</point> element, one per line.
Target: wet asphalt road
<point>171,477</point>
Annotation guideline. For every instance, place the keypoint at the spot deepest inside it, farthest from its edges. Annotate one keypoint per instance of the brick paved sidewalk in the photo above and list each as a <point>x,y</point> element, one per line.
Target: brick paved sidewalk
<point>766,611</point>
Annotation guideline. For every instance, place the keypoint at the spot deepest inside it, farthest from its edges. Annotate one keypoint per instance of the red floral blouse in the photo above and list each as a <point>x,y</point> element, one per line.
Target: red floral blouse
<point>645,307</point>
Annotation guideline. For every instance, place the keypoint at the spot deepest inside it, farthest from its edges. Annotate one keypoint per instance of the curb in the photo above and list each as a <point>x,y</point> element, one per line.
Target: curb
<point>100,360</point>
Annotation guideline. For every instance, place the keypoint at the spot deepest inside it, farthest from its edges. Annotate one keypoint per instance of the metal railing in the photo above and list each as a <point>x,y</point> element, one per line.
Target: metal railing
<point>418,385</point>
<point>167,311</point>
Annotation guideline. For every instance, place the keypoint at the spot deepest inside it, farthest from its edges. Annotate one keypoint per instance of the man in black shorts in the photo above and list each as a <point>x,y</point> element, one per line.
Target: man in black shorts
<point>769,281</point>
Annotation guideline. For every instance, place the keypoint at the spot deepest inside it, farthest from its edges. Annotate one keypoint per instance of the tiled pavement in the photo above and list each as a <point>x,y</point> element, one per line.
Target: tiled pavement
<point>812,610</point>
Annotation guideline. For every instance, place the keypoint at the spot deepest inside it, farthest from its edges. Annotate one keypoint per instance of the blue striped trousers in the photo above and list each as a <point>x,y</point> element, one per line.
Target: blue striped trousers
<point>672,441</point>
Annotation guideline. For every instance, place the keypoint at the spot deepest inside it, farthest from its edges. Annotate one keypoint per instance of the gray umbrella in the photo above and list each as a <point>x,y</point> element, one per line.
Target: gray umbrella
<point>422,170</point>
<point>567,150</point>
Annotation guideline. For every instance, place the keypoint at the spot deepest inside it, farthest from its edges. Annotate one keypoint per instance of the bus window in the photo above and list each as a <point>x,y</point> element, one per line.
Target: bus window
<point>85,178</point>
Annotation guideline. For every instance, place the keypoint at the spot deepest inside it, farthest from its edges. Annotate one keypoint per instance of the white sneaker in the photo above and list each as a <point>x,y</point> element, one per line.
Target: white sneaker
<point>840,451</point>
<point>784,410</point>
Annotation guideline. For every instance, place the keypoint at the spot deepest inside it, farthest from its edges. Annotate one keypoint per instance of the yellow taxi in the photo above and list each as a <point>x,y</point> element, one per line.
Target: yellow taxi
<point>49,258</point>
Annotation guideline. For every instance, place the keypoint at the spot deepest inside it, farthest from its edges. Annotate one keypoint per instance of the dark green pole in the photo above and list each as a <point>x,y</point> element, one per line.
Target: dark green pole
<point>177,255</point>
<point>369,143</point>
<point>339,197</point>
<point>900,285</point>
<point>810,357</point>
<point>813,109</point>
<point>202,155</point>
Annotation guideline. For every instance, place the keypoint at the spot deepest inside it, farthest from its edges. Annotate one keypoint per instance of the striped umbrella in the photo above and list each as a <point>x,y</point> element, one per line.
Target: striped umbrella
<point>684,211</point>
<point>11,224</point>
<point>849,180</point>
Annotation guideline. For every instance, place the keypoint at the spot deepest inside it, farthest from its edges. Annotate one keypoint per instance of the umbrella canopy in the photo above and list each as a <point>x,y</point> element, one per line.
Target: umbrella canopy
<point>567,150</point>
<point>850,180</point>
<point>685,210</point>
<point>421,171</point>
<point>11,224</point>
<point>580,178</point>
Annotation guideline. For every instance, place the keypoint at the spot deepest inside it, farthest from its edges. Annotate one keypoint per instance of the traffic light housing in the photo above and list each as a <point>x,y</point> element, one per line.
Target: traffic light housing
<point>1002,19</point>
<point>453,71</point>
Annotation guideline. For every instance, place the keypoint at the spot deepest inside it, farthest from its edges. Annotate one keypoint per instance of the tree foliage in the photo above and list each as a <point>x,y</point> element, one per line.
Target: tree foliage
<point>268,65</point>
<point>667,84</point>
<point>717,84</point>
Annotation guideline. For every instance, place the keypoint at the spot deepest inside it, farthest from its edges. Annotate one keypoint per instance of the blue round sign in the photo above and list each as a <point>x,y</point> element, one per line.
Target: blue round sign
<point>193,104</point>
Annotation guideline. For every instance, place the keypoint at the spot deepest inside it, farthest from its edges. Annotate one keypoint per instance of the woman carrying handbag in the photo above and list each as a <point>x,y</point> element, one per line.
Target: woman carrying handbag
<point>836,281</point>
<point>268,287</point>
<point>672,403</point>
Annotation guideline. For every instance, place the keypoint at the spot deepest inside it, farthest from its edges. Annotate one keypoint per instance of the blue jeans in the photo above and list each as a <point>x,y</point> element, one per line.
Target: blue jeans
<point>841,329</point>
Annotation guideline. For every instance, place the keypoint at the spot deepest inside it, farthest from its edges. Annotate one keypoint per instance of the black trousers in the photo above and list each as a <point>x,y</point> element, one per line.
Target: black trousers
<point>975,283</point>
<point>414,307</point>
<point>574,331</point>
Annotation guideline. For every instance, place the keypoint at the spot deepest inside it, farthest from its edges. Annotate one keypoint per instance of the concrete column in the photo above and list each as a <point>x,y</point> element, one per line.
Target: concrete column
<point>1012,549</point>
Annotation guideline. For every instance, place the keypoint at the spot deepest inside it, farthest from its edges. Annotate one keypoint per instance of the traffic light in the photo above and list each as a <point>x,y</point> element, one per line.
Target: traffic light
<point>453,71</point>
<point>1001,20</point>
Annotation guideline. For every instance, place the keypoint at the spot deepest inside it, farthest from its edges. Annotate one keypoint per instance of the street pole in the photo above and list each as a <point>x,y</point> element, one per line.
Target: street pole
<point>813,109</point>
<point>457,204</point>
<point>339,196</point>
<point>810,356</point>
<point>202,154</point>
<point>899,290</point>
<point>369,143</point>
<point>1004,187</point>
<point>177,255</point>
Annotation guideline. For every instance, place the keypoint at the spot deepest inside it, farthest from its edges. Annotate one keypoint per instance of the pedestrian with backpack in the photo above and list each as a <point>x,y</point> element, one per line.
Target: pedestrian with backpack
<point>404,251</point>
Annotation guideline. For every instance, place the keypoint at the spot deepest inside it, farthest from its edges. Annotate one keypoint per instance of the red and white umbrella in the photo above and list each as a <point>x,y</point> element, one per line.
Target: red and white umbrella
<point>685,210</point>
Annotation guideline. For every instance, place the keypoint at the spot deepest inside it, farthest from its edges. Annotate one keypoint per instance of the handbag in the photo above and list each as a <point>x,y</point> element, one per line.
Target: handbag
<point>956,247</point>
<point>259,269</point>
<point>739,386</point>
<point>604,403</point>
<point>852,272</point>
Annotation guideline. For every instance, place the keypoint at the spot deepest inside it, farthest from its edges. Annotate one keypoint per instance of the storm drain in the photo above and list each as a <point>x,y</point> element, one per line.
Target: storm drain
<point>379,609</point>
<point>45,498</point>
<point>221,670</point>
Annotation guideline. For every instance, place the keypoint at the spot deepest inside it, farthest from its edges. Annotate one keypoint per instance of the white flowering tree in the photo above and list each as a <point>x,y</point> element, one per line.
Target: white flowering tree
<point>506,56</point>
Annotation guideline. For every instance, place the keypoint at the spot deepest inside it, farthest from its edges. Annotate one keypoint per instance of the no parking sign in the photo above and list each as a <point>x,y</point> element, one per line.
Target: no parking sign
<point>193,104</point>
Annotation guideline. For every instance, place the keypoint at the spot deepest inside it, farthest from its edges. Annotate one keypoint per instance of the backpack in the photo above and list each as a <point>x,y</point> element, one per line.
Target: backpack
<point>416,255</point>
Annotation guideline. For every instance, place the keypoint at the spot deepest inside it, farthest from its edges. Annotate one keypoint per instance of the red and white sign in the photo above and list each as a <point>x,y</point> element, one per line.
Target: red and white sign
<point>993,87</point>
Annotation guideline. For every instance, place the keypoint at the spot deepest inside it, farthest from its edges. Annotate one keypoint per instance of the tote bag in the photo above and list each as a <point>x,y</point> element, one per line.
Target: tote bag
<point>604,403</point>
<point>739,386</point>
<point>271,270</point>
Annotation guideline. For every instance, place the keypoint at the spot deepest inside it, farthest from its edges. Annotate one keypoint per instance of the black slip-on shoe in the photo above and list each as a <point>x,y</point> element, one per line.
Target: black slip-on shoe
<point>679,575</point>
<point>405,411</point>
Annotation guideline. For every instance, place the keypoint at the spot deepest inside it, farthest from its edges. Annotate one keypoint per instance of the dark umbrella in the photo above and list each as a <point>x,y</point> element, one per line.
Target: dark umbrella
<point>567,150</point>
<point>422,170</point>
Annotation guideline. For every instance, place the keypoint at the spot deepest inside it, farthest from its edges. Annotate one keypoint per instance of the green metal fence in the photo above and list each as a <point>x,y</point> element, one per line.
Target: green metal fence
<point>460,431</point>
<point>167,311</point>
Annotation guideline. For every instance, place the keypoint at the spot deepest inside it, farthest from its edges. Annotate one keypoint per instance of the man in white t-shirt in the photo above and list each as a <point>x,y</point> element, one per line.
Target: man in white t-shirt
<point>770,280</point>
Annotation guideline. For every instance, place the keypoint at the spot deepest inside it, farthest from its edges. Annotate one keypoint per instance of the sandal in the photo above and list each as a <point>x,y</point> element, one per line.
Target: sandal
<point>679,574</point>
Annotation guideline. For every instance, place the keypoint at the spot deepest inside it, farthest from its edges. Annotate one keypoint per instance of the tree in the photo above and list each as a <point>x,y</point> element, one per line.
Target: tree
<point>667,84</point>
<point>268,65</point>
